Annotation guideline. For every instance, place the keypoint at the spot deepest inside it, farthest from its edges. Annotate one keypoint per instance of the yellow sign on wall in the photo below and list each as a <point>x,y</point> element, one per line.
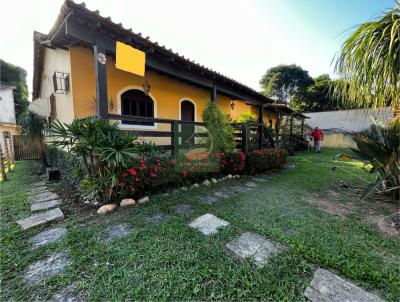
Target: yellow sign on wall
<point>130,59</point>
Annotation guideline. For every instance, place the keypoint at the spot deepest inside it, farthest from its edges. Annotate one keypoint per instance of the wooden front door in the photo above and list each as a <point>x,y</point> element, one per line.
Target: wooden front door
<point>187,114</point>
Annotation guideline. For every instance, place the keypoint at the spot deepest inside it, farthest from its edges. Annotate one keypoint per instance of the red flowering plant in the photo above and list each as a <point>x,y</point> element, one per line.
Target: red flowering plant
<point>146,175</point>
<point>232,163</point>
<point>266,159</point>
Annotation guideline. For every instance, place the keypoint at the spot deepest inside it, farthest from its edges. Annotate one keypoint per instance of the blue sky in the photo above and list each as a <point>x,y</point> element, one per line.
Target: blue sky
<point>239,38</point>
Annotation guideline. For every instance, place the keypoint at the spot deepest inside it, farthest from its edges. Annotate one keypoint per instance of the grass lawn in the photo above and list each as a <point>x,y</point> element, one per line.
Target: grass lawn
<point>172,261</point>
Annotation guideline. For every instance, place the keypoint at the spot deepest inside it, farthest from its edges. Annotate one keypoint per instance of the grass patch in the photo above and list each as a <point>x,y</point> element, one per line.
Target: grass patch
<point>172,261</point>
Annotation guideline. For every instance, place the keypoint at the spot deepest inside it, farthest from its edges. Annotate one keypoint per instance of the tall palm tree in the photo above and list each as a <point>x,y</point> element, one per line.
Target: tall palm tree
<point>369,63</point>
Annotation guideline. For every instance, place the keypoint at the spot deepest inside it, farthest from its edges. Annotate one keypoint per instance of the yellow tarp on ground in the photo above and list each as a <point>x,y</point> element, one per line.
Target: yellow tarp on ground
<point>130,59</point>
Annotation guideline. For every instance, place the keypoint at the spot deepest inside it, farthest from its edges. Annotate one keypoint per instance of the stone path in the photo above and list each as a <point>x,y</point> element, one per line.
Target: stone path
<point>118,231</point>
<point>41,218</point>
<point>67,294</point>
<point>156,219</point>
<point>330,288</point>
<point>256,247</point>
<point>51,266</point>
<point>183,209</point>
<point>48,236</point>
<point>44,201</point>
<point>208,224</point>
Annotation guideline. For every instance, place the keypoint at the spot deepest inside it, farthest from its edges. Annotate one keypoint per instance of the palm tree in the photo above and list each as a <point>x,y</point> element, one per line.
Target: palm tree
<point>33,125</point>
<point>369,63</point>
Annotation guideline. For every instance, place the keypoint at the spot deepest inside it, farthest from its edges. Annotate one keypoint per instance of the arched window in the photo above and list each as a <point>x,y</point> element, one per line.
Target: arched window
<point>135,102</point>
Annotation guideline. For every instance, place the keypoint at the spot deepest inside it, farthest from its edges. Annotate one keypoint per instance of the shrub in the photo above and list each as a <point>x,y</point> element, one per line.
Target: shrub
<point>247,117</point>
<point>379,146</point>
<point>232,163</point>
<point>266,159</point>
<point>221,137</point>
<point>105,152</point>
<point>152,175</point>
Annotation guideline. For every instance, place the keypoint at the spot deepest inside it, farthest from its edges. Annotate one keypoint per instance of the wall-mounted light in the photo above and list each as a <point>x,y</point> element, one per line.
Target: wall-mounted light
<point>233,105</point>
<point>146,88</point>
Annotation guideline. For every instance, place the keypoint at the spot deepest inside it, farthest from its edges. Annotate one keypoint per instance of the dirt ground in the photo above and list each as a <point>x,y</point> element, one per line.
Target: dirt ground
<point>383,213</point>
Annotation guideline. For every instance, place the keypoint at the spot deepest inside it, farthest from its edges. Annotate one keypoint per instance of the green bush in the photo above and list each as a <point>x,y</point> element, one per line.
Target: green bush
<point>266,159</point>
<point>232,163</point>
<point>247,117</point>
<point>104,149</point>
<point>379,146</point>
<point>221,137</point>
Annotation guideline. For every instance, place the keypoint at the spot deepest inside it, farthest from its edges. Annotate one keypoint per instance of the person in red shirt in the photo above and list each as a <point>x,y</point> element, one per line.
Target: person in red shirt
<point>318,137</point>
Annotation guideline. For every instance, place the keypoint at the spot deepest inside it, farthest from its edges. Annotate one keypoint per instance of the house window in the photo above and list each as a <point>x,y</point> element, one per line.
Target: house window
<point>136,103</point>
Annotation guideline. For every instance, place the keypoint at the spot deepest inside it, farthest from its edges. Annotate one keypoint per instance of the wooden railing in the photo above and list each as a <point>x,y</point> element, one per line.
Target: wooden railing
<point>178,133</point>
<point>6,158</point>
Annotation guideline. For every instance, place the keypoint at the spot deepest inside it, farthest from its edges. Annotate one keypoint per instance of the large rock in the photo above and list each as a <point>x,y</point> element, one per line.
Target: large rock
<point>254,246</point>
<point>208,224</point>
<point>45,205</point>
<point>329,287</point>
<point>41,218</point>
<point>48,236</point>
<point>143,200</point>
<point>51,266</point>
<point>127,202</point>
<point>107,208</point>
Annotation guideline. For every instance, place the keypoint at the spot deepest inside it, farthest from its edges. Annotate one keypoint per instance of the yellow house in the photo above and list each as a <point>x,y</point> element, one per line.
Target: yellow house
<point>78,73</point>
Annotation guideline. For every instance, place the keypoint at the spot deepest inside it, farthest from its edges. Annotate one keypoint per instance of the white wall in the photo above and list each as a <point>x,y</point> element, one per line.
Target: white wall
<point>7,108</point>
<point>338,125</point>
<point>347,120</point>
<point>55,60</point>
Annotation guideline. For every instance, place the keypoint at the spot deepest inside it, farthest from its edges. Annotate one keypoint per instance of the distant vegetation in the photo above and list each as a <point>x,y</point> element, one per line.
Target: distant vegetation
<point>16,76</point>
<point>292,85</point>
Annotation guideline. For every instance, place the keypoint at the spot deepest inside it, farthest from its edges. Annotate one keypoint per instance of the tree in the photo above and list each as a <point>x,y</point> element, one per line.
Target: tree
<point>16,76</point>
<point>369,63</point>
<point>318,97</point>
<point>283,81</point>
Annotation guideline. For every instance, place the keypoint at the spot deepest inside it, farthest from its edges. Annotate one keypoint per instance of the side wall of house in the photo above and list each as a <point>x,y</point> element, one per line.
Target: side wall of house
<point>55,60</point>
<point>7,108</point>
<point>166,92</point>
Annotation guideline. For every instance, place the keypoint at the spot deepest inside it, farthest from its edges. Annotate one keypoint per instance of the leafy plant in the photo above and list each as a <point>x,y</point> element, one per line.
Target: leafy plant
<point>104,149</point>
<point>221,137</point>
<point>148,150</point>
<point>266,159</point>
<point>369,63</point>
<point>247,117</point>
<point>379,146</point>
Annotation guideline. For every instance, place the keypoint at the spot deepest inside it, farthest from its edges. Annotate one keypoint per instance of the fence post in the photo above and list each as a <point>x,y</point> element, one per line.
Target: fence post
<point>245,139</point>
<point>261,135</point>
<point>2,168</point>
<point>174,138</point>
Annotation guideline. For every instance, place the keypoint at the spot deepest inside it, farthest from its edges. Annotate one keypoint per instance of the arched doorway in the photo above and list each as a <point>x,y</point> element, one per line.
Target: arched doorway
<point>187,114</point>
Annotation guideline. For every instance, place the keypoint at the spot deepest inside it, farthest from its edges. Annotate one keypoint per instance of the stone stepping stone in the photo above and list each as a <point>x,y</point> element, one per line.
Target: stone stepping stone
<point>37,189</point>
<point>42,197</point>
<point>183,209</point>
<point>224,193</point>
<point>256,247</point>
<point>156,219</point>
<point>39,183</point>
<point>239,189</point>
<point>48,236</point>
<point>208,224</point>
<point>208,199</point>
<point>41,218</point>
<point>67,294</point>
<point>118,231</point>
<point>250,184</point>
<point>51,266</point>
<point>45,205</point>
<point>329,287</point>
